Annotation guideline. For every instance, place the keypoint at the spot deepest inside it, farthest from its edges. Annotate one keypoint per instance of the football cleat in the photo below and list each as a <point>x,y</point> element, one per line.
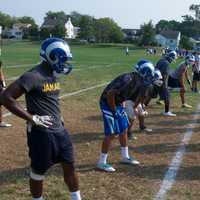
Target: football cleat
<point>185,105</point>
<point>129,161</point>
<point>5,125</point>
<point>105,167</point>
<point>169,114</point>
<point>148,130</point>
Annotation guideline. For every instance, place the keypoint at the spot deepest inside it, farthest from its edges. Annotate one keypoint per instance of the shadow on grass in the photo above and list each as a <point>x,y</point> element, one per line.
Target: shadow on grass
<point>158,172</point>
<point>86,137</point>
<point>12,176</point>
<point>95,118</point>
<point>151,172</point>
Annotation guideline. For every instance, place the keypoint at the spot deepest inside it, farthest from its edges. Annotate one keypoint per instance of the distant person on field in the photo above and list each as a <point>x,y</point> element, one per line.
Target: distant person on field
<point>127,51</point>
<point>2,87</point>
<point>164,66</point>
<point>178,76</point>
<point>48,140</point>
<point>128,86</point>
<point>196,73</point>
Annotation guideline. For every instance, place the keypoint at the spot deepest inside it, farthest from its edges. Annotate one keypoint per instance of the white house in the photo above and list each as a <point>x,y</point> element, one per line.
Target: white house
<point>71,31</point>
<point>168,39</point>
<point>17,30</point>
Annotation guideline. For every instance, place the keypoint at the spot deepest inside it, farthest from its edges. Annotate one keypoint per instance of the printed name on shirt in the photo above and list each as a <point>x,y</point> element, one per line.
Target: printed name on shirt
<point>49,87</point>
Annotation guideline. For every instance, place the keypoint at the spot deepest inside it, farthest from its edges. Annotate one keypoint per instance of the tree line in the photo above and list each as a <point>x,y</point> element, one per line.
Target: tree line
<point>104,30</point>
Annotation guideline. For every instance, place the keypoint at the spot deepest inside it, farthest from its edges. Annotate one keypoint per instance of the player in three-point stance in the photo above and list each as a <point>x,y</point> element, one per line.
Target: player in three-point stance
<point>129,86</point>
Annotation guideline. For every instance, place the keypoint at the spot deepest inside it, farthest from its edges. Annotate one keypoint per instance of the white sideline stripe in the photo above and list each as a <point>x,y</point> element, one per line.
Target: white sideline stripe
<point>20,66</point>
<point>76,69</point>
<point>71,94</point>
<point>82,90</point>
<point>170,175</point>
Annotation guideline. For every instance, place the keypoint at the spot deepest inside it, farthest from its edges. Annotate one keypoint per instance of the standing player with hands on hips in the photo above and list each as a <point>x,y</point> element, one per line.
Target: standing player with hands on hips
<point>48,141</point>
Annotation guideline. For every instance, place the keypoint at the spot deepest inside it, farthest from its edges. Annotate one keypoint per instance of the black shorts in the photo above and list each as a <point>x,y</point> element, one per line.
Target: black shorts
<point>173,82</point>
<point>196,76</point>
<point>47,149</point>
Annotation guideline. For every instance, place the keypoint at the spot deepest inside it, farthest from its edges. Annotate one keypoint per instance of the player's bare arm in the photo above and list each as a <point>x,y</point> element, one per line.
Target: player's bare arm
<point>111,99</point>
<point>8,99</point>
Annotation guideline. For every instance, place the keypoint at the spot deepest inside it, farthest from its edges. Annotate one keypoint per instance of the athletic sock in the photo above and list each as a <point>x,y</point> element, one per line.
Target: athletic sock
<point>75,195</point>
<point>103,158</point>
<point>124,152</point>
<point>40,198</point>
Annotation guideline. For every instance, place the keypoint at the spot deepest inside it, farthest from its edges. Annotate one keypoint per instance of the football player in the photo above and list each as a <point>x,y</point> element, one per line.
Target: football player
<point>48,140</point>
<point>196,72</point>
<point>177,77</point>
<point>164,66</point>
<point>140,111</point>
<point>129,86</point>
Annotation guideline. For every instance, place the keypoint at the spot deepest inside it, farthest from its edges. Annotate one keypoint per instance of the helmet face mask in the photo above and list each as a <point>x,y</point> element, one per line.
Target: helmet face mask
<point>56,53</point>
<point>146,71</point>
<point>189,60</point>
<point>172,56</point>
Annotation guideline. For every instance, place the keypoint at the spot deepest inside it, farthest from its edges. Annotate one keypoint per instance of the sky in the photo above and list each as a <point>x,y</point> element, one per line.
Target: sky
<point>127,13</point>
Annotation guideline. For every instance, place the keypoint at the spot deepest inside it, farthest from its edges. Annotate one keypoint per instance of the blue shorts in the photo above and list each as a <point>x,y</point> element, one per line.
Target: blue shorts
<point>47,149</point>
<point>112,125</point>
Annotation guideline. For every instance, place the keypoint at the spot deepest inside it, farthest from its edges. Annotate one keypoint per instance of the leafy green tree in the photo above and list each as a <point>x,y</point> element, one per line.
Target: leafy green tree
<point>27,20</point>
<point>147,34</point>
<point>59,17</point>
<point>5,20</point>
<point>58,31</point>
<point>106,30</point>
<point>45,33</point>
<point>190,27</point>
<point>196,9</point>
<point>167,25</point>
<point>86,27</point>
<point>186,43</point>
<point>75,18</point>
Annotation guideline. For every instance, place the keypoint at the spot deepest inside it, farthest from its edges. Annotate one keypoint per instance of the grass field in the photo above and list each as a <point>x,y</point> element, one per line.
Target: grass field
<point>94,65</point>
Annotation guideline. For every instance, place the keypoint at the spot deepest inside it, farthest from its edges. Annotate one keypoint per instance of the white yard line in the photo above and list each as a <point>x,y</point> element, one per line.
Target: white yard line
<point>75,69</point>
<point>71,94</point>
<point>82,90</point>
<point>170,175</point>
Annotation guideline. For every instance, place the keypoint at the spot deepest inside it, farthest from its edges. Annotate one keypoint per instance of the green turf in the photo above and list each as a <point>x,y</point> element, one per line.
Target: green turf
<point>93,65</point>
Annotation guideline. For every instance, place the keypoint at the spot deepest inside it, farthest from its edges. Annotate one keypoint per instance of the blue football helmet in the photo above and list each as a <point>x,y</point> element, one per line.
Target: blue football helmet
<point>189,60</point>
<point>146,71</point>
<point>141,62</point>
<point>171,56</point>
<point>157,79</point>
<point>56,53</point>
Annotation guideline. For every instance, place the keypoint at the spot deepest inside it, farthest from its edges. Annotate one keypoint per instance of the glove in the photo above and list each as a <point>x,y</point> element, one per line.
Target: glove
<point>144,113</point>
<point>43,121</point>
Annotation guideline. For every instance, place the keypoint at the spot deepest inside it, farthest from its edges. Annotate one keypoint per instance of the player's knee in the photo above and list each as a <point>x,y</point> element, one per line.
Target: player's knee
<point>35,176</point>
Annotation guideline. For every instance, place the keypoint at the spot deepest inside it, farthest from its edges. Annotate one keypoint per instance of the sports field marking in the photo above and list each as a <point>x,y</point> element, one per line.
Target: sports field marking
<point>170,175</point>
<point>76,69</point>
<point>70,94</point>
<point>82,90</point>
<point>20,66</point>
